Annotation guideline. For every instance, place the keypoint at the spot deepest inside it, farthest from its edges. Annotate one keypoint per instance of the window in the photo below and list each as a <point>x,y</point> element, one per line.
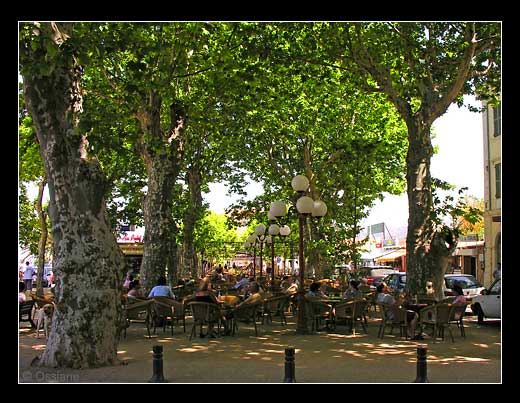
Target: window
<point>497,120</point>
<point>498,181</point>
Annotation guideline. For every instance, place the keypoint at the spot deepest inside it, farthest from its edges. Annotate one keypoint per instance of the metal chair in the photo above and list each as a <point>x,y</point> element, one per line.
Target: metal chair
<point>320,312</point>
<point>393,316</point>
<point>247,313</point>
<point>137,312</point>
<point>353,312</point>
<point>25,310</point>
<point>204,314</point>
<point>457,316</point>
<point>275,305</point>
<point>437,316</point>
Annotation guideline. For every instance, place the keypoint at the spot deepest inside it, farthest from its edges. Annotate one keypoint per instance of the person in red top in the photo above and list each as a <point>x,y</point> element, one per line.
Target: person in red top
<point>460,298</point>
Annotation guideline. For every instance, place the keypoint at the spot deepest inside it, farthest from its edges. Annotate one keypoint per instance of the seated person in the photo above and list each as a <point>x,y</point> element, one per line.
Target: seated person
<point>293,286</point>
<point>460,299</point>
<point>135,290</point>
<point>129,278</point>
<point>352,291</point>
<point>205,294</point>
<point>21,292</point>
<point>384,297</point>
<point>315,292</point>
<point>161,289</point>
<point>242,282</point>
<point>254,295</point>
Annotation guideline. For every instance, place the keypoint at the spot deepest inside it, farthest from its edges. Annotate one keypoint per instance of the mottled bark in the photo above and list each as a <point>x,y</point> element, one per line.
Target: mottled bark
<point>191,216</point>
<point>88,263</point>
<point>428,248</point>
<point>42,242</point>
<point>161,153</point>
<point>158,222</point>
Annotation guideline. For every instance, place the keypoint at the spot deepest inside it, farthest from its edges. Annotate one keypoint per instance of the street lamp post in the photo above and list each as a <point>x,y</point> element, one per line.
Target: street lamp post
<point>261,238</point>
<point>305,207</point>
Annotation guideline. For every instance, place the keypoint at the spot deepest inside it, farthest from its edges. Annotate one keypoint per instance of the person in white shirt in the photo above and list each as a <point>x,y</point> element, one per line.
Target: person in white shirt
<point>161,289</point>
<point>28,274</point>
<point>242,282</point>
<point>384,297</point>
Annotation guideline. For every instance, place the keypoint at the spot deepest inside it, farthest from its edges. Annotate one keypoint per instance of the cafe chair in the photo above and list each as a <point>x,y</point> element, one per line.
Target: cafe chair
<point>162,314</point>
<point>25,312</point>
<point>320,313</point>
<point>137,312</point>
<point>178,311</point>
<point>437,317</point>
<point>352,312</point>
<point>370,297</point>
<point>457,317</point>
<point>204,314</point>
<point>426,299</point>
<point>246,313</point>
<point>393,316</point>
<point>277,306</point>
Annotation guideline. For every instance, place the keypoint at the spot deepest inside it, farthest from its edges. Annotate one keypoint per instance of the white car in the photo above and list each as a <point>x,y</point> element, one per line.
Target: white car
<point>469,284</point>
<point>487,304</point>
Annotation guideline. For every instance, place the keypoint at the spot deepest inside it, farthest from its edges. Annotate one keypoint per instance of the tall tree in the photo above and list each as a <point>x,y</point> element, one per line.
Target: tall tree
<point>31,171</point>
<point>88,264</point>
<point>422,68</point>
<point>305,118</point>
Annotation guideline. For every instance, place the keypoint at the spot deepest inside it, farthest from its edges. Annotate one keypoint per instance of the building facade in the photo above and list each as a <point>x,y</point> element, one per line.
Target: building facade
<point>492,127</point>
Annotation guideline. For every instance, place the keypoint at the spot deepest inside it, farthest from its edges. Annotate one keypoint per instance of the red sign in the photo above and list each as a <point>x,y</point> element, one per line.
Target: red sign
<point>130,238</point>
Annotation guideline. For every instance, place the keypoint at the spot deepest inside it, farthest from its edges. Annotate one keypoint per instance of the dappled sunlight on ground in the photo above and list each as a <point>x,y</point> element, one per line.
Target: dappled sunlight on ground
<point>319,357</point>
<point>456,359</point>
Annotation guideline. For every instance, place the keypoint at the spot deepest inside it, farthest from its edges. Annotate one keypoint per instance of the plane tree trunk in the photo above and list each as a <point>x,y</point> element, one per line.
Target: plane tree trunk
<point>88,263</point>
<point>161,153</point>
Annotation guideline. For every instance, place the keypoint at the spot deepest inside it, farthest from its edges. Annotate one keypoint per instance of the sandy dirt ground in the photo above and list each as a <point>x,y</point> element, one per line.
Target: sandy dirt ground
<point>335,357</point>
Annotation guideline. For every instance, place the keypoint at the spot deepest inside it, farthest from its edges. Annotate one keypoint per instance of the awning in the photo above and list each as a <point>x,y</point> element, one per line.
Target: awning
<point>390,257</point>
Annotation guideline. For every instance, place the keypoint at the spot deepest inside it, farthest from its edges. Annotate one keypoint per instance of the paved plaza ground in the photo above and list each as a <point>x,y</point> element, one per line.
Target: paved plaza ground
<point>336,357</point>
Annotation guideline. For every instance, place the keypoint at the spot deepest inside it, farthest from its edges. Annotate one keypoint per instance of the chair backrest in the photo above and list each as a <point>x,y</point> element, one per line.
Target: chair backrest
<point>393,312</point>
<point>248,311</point>
<point>203,312</point>
<point>179,310</point>
<point>134,309</point>
<point>344,309</point>
<point>359,307</point>
<point>457,311</point>
<point>442,312</point>
<point>26,307</point>
<point>426,299</point>
<point>162,309</point>
<point>320,308</point>
<point>275,303</point>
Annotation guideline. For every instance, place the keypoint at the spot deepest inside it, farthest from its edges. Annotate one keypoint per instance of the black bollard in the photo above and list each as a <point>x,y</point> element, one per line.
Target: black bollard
<point>289,365</point>
<point>157,376</point>
<point>421,366</point>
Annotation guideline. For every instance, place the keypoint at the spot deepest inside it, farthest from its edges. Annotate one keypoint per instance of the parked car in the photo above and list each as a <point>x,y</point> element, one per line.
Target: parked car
<point>487,304</point>
<point>470,286</point>
<point>373,274</point>
<point>396,281</point>
<point>468,283</point>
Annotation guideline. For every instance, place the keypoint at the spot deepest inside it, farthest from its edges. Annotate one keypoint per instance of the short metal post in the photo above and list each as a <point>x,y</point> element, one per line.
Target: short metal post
<point>421,366</point>
<point>157,376</point>
<point>289,365</point>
